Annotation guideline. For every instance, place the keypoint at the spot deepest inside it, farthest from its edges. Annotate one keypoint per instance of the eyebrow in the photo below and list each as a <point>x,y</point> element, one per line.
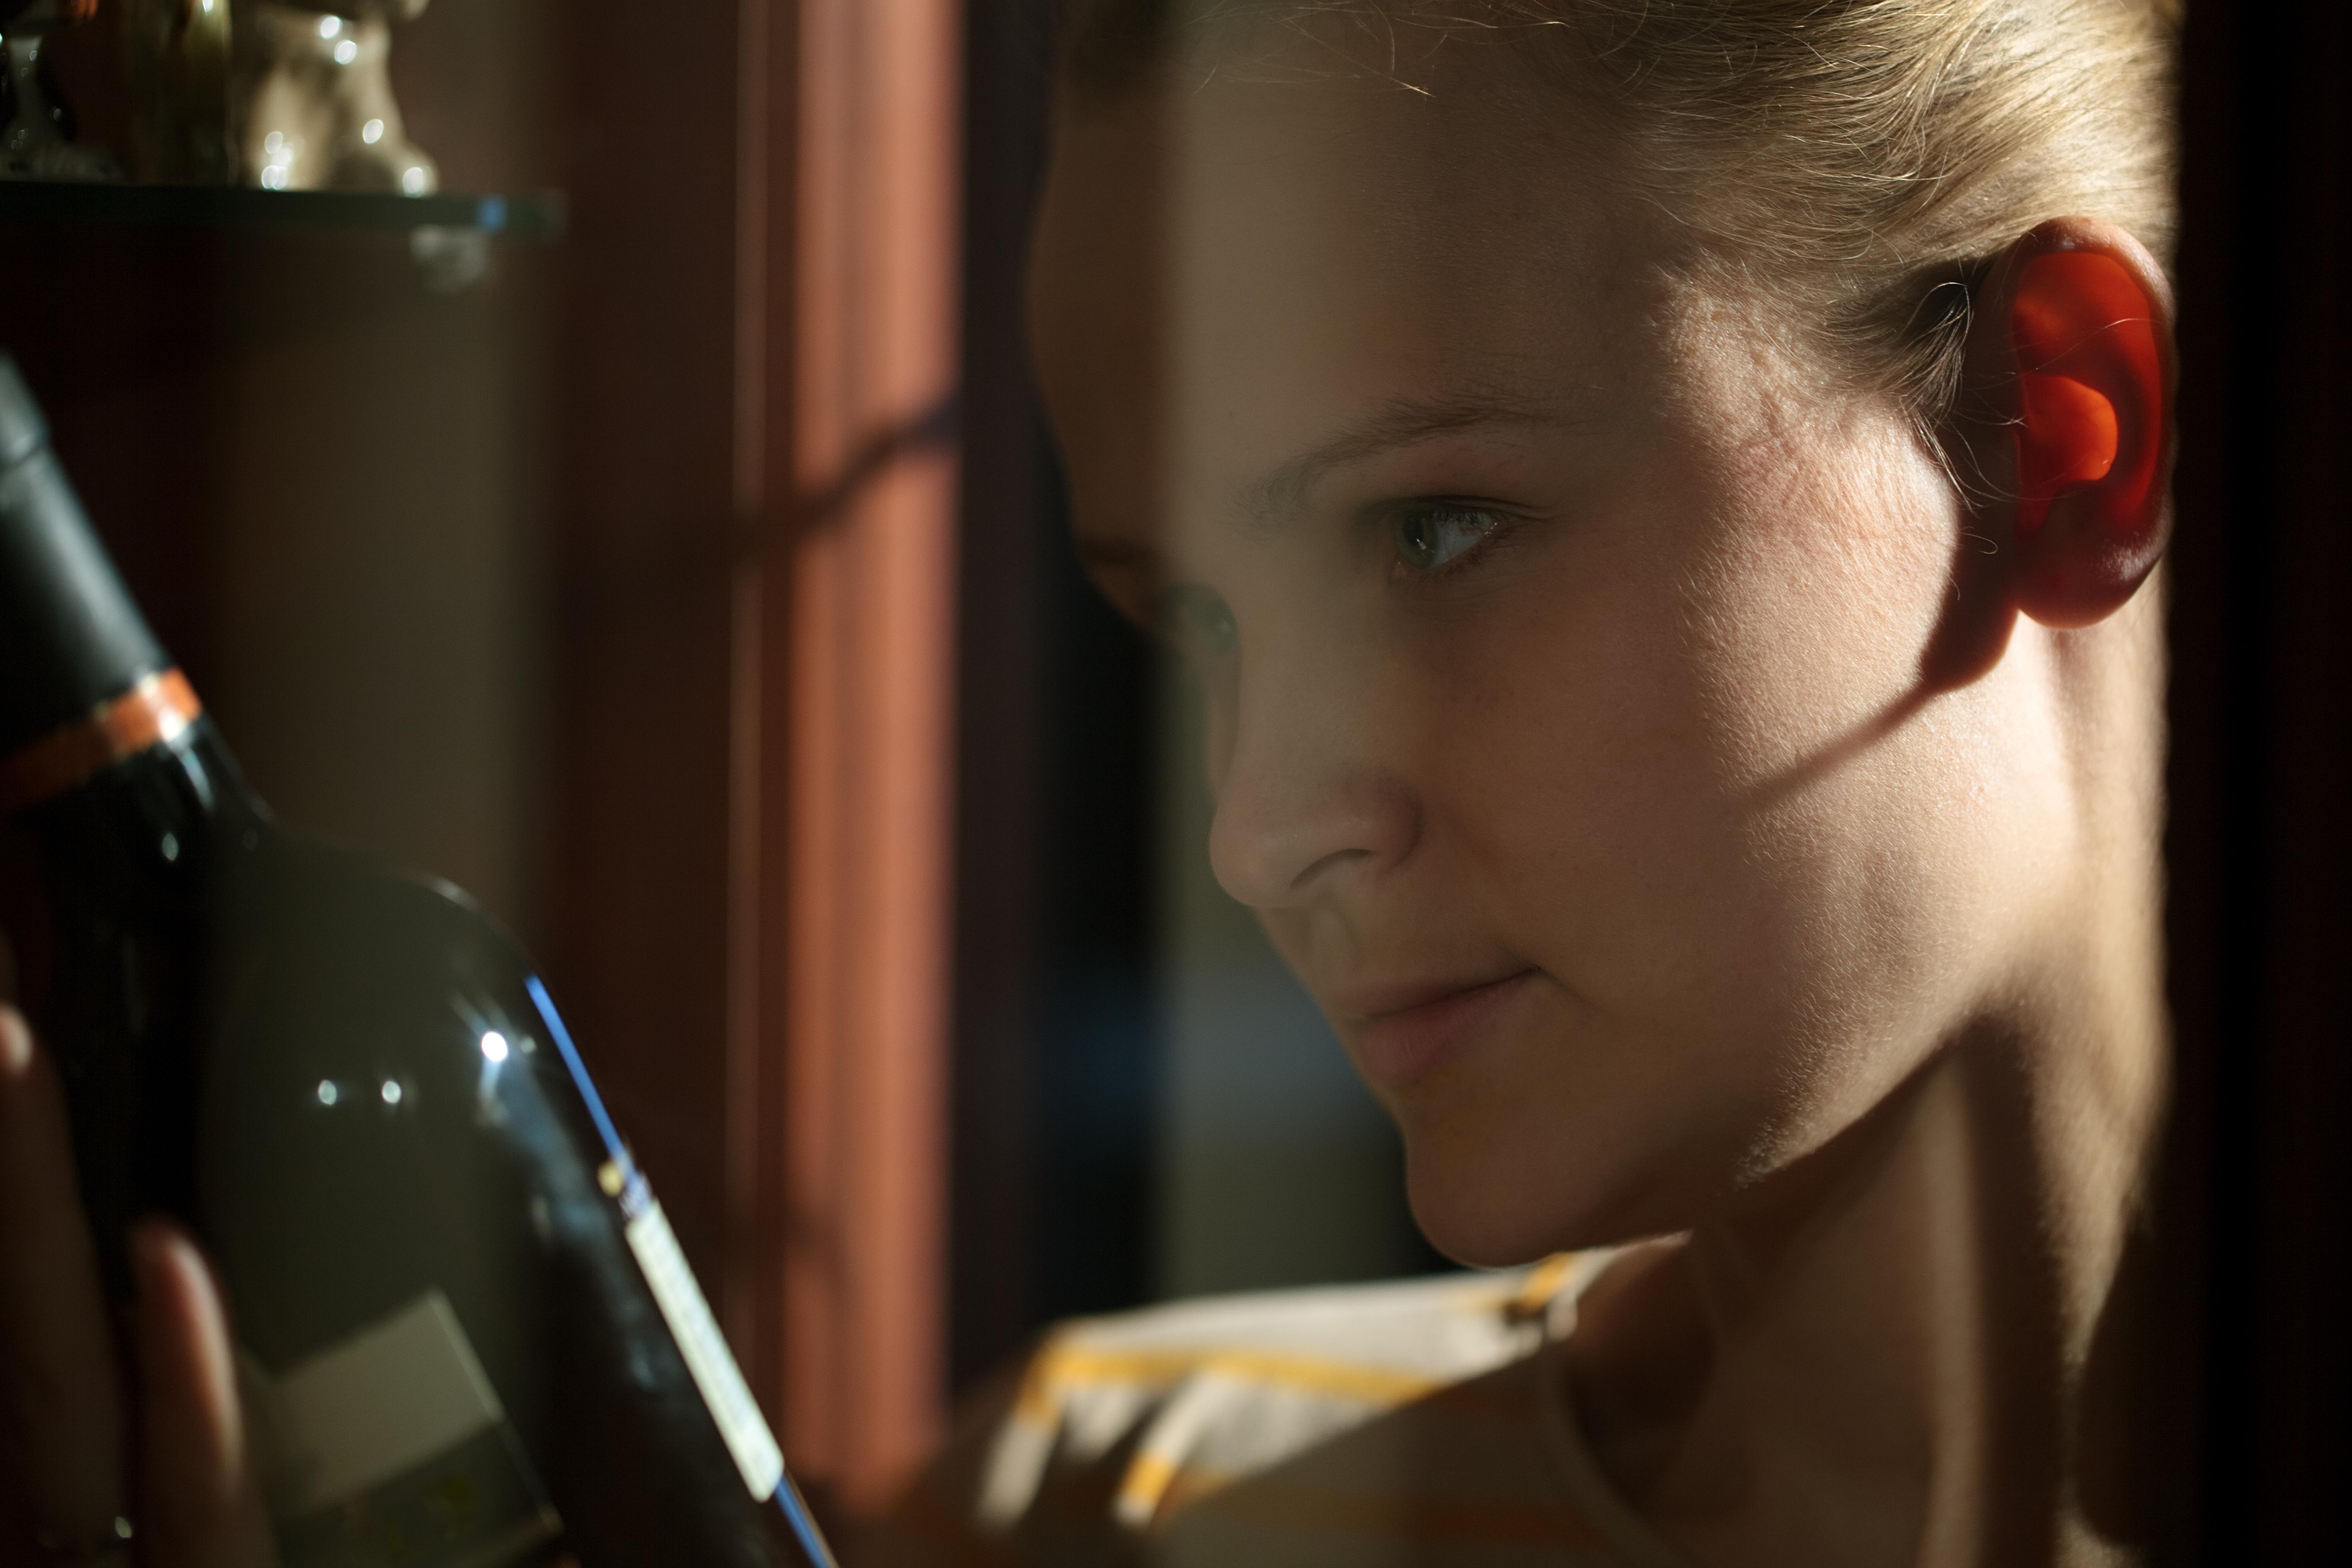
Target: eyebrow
<point>1283,489</point>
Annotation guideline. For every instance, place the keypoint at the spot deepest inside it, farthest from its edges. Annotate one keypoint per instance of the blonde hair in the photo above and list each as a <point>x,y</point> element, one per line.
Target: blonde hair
<point>1864,160</point>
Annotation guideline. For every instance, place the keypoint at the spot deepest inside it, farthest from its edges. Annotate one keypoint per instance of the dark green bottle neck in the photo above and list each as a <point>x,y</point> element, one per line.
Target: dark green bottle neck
<point>71,638</point>
<point>160,817</point>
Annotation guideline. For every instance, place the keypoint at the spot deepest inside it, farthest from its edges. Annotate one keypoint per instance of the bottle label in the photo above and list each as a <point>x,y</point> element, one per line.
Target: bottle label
<point>704,1349</point>
<point>392,1447</point>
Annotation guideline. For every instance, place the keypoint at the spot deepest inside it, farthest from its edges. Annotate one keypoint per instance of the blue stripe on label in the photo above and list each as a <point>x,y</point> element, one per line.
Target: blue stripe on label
<point>579,1071</point>
<point>635,1198</point>
<point>796,1514</point>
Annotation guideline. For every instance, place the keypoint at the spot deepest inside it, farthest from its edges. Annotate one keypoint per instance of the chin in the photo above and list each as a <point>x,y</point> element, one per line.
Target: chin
<point>1476,1215</point>
<point>1495,1202</point>
<point>1475,1242</point>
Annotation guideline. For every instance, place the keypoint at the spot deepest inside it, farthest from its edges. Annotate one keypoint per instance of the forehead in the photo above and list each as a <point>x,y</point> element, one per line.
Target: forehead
<point>1230,272</point>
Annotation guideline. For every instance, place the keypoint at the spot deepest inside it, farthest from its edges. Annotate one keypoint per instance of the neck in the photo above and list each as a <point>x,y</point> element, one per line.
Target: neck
<point>1881,1357</point>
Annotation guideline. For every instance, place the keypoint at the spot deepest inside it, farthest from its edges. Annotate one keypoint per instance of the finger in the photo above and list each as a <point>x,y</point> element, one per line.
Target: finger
<point>60,1392</point>
<point>199,1504</point>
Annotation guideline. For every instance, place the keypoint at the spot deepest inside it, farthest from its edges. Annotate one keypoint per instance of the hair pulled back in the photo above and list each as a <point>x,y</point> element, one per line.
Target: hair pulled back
<point>1861,159</point>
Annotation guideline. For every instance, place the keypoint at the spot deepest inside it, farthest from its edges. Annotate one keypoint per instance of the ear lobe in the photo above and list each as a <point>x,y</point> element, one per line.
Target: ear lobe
<point>2070,358</point>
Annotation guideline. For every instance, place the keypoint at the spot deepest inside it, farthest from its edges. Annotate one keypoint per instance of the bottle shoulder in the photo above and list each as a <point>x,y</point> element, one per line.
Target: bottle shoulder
<point>353,914</point>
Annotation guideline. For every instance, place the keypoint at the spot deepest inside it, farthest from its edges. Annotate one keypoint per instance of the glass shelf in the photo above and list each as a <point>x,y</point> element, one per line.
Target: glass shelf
<point>538,214</point>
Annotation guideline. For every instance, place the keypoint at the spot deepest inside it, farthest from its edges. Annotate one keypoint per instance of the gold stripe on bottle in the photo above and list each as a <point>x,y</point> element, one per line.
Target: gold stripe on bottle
<point>152,712</point>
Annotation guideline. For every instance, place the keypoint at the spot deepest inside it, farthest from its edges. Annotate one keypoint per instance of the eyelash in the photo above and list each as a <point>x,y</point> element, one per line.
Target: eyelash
<point>1494,524</point>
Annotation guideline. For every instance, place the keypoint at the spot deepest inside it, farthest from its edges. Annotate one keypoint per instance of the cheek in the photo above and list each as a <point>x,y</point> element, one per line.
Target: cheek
<point>1703,802</point>
<point>1846,794</point>
<point>1677,767</point>
<point>1579,781</point>
<point>1692,935</point>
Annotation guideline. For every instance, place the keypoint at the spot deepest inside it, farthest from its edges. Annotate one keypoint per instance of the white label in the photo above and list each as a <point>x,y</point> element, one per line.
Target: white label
<point>378,1404</point>
<point>707,1355</point>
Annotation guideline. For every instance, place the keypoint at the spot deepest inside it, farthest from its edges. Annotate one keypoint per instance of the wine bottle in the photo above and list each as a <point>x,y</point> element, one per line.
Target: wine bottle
<point>467,1332</point>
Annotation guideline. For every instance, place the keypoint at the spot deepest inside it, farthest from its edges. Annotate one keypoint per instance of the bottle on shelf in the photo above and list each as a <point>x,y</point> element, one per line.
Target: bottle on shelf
<point>467,1333</point>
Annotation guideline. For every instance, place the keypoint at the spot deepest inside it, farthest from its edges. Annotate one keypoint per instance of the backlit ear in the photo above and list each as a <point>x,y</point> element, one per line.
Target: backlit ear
<point>2068,418</point>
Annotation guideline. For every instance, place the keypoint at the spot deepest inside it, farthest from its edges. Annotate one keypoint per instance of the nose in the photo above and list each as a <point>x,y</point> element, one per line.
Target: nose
<point>1305,801</point>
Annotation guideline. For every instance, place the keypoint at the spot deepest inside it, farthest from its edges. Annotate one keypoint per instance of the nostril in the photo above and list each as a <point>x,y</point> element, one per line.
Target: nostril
<point>1272,858</point>
<point>1329,863</point>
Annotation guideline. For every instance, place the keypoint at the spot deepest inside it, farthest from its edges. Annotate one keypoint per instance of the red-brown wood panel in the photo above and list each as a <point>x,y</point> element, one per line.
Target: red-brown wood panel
<point>860,789</point>
<point>754,864</point>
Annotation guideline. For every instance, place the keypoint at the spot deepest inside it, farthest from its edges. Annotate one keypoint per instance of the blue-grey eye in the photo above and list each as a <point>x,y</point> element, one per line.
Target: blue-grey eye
<point>1428,537</point>
<point>1198,621</point>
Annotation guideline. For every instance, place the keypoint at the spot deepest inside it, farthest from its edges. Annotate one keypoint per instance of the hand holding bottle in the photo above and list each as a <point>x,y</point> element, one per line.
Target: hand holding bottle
<point>91,1471</point>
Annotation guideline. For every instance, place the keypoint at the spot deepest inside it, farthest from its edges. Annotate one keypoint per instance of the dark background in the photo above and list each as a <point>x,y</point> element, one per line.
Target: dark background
<point>2251,1459</point>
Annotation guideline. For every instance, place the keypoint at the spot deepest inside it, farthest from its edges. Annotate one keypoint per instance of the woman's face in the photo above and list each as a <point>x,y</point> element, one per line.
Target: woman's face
<point>1562,638</point>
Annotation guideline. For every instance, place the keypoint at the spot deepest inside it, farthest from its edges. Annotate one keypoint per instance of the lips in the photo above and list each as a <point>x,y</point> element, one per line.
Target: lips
<point>1400,1046</point>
